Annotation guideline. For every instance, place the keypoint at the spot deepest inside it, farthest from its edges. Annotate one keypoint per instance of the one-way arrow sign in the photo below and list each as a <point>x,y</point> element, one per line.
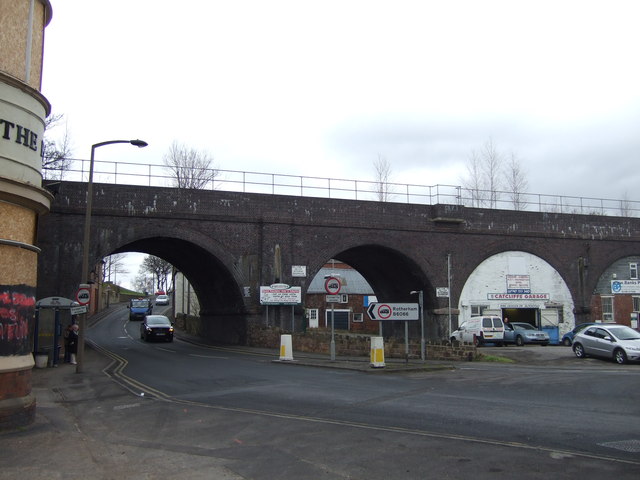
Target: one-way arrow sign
<point>394,311</point>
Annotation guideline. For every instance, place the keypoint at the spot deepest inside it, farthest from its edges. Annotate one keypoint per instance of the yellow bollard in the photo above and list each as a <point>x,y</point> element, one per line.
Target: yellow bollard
<point>377,352</point>
<point>286,349</point>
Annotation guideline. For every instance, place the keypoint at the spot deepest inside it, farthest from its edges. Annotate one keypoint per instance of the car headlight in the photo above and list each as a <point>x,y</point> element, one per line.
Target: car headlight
<point>171,329</point>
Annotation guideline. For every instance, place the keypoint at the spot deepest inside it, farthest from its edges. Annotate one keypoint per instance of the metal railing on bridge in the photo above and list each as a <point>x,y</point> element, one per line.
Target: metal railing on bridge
<point>347,189</point>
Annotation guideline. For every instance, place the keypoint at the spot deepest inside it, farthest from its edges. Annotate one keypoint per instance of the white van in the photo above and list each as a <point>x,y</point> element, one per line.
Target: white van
<point>481,329</point>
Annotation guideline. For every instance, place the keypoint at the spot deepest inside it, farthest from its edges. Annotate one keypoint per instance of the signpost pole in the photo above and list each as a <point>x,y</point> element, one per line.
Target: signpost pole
<point>449,288</point>
<point>423,349</point>
<point>406,342</point>
<point>332,286</point>
<point>332,346</point>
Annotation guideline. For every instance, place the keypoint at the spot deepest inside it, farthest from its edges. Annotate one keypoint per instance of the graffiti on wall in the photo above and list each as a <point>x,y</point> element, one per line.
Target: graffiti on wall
<point>17,308</point>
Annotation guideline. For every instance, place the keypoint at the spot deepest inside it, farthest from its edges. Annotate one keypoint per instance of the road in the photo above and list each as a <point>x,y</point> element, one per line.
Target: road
<point>480,419</point>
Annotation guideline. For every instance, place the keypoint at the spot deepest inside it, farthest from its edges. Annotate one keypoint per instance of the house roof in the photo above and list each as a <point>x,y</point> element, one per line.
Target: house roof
<point>352,281</point>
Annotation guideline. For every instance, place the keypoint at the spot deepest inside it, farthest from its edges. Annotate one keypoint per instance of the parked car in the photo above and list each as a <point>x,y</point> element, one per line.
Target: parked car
<point>139,308</point>
<point>162,300</point>
<point>156,327</point>
<point>521,333</point>
<point>479,330</point>
<point>617,342</point>
<point>567,338</point>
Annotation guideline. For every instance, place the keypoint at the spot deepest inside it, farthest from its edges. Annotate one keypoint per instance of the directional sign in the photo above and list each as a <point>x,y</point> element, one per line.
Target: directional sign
<point>332,285</point>
<point>394,311</point>
<point>83,295</point>
<point>78,310</point>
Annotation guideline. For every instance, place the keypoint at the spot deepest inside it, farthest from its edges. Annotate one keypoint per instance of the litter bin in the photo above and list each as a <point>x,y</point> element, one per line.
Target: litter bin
<point>41,359</point>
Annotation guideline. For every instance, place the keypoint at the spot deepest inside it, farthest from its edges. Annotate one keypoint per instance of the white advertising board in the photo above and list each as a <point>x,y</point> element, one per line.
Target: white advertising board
<point>280,296</point>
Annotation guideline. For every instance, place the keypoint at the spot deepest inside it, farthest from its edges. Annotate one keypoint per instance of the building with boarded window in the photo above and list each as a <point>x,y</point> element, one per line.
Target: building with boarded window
<point>23,110</point>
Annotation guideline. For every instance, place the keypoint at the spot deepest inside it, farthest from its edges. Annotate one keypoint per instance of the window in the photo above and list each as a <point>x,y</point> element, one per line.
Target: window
<point>633,271</point>
<point>478,309</point>
<point>607,309</point>
<point>636,304</point>
<point>313,317</point>
<point>357,318</point>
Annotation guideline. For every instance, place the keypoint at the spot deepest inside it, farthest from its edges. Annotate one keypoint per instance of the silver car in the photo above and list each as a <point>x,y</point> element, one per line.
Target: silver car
<point>614,341</point>
<point>521,333</point>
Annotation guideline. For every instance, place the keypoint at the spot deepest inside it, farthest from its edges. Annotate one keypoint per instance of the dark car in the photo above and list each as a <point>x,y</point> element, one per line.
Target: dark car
<point>156,327</point>
<point>567,338</point>
<point>608,340</point>
<point>521,333</point>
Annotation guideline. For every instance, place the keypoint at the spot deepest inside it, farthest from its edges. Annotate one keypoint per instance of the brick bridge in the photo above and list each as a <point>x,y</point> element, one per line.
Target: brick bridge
<point>229,243</point>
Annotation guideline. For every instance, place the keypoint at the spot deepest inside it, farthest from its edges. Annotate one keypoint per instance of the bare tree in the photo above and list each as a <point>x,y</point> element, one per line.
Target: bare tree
<point>56,154</point>
<point>159,268</point>
<point>491,168</point>
<point>113,265</point>
<point>625,205</point>
<point>473,182</point>
<point>484,174</point>
<point>190,168</point>
<point>516,182</point>
<point>383,189</point>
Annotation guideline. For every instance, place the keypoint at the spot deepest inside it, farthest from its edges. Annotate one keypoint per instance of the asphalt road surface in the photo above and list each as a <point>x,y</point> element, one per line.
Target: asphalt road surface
<point>256,419</point>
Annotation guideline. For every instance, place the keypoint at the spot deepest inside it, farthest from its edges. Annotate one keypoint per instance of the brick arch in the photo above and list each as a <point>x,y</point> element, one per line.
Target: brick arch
<point>239,231</point>
<point>210,269</point>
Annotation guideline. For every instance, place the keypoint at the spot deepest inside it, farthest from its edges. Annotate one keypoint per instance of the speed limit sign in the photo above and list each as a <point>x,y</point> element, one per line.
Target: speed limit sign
<point>83,295</point>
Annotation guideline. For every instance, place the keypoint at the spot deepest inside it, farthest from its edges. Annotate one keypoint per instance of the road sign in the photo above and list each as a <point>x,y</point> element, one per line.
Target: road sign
<point>394,311</point>
<point>442,292</point>
<point>83,295</point>
<point>332,285</point>
<point>334,298</point>
<point>78,310</point>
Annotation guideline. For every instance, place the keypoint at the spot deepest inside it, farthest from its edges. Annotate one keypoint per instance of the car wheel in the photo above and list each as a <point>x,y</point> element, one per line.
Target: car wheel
<point>476,341</point>
<point>566,342</point>
<point>578,349</point>
<point>544,344</point>
<point>619,356</point>
<point>519,341</point>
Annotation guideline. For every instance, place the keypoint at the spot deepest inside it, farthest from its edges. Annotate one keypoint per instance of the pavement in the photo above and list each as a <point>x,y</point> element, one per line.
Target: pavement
<point>81,417</point>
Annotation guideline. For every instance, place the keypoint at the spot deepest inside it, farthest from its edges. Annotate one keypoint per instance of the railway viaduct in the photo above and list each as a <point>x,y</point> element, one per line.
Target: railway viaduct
<point>229,243</point>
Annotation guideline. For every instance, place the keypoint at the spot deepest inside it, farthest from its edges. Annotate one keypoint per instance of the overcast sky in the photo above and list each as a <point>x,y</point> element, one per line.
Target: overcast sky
<point>322,88</point>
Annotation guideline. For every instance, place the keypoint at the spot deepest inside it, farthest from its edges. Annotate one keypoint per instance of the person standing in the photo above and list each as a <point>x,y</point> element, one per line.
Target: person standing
<point>72,342</point>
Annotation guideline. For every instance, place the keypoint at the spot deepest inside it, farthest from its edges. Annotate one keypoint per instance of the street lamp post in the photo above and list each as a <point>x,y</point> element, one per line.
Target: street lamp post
<point>421,313</point>
<point>86,239</point>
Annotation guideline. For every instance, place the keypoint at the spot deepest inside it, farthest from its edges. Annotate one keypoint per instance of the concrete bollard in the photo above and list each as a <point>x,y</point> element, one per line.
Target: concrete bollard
<point>286,349</point>
<point>377,352</point>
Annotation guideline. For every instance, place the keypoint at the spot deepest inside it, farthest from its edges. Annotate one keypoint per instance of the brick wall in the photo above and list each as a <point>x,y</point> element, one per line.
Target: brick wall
<point>354,345</point>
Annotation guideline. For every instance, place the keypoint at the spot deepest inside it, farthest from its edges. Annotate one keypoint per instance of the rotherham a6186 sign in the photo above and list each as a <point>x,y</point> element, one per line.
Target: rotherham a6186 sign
<point>394,311</point>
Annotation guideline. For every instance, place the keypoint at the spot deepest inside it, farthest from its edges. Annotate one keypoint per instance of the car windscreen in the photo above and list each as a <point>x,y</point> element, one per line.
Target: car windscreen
<point>625,333</point>
<point>140,303</point>
<point>157,321</point>
<point>524,326</point>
